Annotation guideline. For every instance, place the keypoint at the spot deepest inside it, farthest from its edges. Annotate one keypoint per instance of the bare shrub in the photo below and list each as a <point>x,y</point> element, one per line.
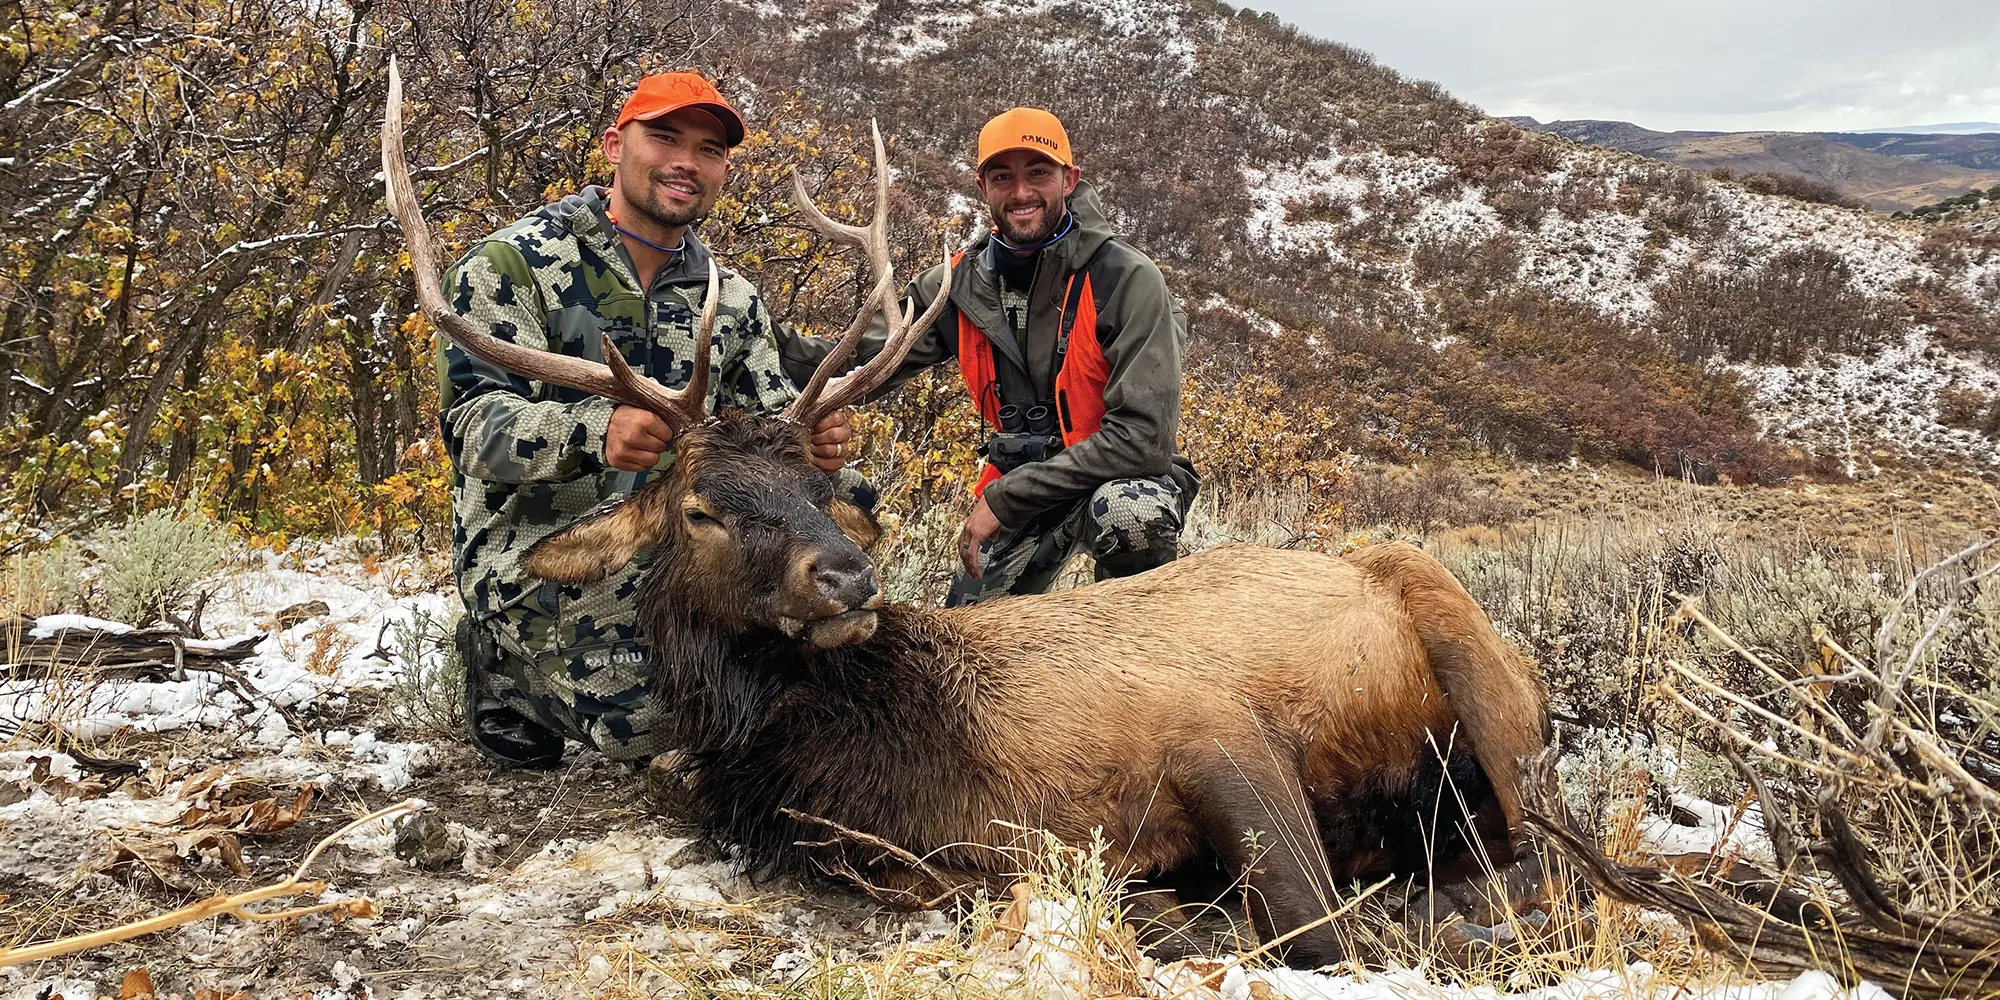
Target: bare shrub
<point>151,564</point>
<point>1956,321</point>
<point>1519,199</point>
<point>1672,201</point>
<point>1501,148</point>
<point>1969,410</point>
<point>1320,206</point>
<point>428,694</point>
<point>1556,379</point>
<point>1879,734</point>
<point>1431,496</point>
<point>1794,186</point>
<point>1800,300</point>
<point>1582,195</point>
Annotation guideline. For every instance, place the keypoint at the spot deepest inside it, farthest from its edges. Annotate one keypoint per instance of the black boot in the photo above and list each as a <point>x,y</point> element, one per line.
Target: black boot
<point>500,734</point>
<point>1120,564</point>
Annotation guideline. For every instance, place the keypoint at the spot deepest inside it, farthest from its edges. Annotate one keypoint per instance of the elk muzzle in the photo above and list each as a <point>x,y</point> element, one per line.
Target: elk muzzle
<point>836,594</point>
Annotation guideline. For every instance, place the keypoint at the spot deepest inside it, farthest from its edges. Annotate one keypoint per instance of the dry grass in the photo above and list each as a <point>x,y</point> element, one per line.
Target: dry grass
<point>325,648</point>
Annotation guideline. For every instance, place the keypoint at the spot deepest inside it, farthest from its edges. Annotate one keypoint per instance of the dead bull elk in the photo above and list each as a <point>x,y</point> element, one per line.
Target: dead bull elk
<point>1305,700</point>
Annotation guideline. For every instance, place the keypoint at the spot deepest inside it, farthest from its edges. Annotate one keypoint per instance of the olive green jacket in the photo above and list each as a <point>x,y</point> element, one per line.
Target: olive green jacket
<point>1140,328</point>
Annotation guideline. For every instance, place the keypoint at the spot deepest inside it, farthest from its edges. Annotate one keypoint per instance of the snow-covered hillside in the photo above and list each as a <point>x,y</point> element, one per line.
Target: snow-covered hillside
<point>1327,175</point>
<point>1848,405</point>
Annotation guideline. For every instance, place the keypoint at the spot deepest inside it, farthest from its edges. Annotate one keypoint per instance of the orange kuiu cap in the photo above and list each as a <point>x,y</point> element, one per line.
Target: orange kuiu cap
<point>665,93</point>
<point>1025,128</point>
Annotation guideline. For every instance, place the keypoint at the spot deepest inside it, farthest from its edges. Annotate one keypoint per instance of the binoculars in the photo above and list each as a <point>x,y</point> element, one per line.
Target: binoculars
<point>1026,435</point>
<point>1037,419</point>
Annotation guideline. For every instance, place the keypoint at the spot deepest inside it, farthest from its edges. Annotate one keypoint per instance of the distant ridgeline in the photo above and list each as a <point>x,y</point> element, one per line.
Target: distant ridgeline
<point>1882,170</point>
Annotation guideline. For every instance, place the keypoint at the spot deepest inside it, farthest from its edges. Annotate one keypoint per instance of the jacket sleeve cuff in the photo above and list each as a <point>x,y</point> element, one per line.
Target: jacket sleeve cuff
<point>593,418</point>
<point>1005,508</point>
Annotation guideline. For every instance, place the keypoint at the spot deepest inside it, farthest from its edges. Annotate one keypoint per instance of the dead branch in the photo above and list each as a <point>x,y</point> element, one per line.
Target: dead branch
<point>1917,954</point>
<point>898,898</point>
<point>236,906</point>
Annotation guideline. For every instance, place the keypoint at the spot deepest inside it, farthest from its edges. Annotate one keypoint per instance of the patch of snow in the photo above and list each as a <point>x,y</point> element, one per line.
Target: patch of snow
<point>350,648</point>
<point>1722,832</point>
<point>47,626</point>
<point>1637,980</point>
<point>572,881</point>
<point>1890,399</point>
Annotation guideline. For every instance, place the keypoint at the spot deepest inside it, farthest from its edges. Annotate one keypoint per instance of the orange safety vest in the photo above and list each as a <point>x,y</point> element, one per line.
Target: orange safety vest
<point>1080,380</point>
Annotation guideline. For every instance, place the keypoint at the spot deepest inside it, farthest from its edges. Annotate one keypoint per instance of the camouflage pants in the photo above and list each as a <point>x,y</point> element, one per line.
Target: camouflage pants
<point>575,661</point>
<point>1128,526</point>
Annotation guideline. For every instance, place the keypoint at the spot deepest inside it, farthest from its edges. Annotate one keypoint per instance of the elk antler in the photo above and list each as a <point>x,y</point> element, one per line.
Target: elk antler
<point>681,409</point>
<point>824,394</point>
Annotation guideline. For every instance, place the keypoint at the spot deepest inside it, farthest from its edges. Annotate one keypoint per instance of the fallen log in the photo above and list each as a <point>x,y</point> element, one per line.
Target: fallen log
<point>151,654</point>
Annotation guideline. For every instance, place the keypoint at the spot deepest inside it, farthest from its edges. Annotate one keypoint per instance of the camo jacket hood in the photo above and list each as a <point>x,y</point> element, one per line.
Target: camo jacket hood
<point>528,458</point>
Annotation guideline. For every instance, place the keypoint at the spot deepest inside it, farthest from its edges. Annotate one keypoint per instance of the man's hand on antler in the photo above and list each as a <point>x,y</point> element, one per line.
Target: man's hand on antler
<point>636,438</point>
<point>830,448</point>
<point>980,527</point>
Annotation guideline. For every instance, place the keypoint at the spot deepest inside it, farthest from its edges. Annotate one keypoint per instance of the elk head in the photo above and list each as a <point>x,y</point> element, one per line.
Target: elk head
<point>745,530</point>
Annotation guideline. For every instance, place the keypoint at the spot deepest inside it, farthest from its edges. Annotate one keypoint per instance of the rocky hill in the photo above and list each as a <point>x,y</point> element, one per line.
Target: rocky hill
<point>1885,171</point>
<point>1426,274</point>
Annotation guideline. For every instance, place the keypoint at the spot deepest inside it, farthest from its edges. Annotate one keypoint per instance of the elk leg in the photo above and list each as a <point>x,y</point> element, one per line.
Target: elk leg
<point>1182,912</point>
<point>1252,813</point>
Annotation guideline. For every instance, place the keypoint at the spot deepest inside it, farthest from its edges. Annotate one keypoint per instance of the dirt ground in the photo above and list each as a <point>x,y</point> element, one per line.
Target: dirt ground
<point>535,884</point>
<point>571,883</point>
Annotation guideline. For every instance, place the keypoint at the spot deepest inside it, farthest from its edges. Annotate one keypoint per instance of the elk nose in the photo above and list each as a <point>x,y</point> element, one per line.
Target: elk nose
<point>845,578</point>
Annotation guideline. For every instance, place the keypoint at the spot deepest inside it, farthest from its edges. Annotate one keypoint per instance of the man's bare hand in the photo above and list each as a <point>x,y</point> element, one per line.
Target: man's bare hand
<point>830,447</point>
<point>635,439</point>
<point>980,527</point>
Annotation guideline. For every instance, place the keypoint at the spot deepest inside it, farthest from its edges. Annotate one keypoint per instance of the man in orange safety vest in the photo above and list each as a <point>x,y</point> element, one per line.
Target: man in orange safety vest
<point>1070,345</point>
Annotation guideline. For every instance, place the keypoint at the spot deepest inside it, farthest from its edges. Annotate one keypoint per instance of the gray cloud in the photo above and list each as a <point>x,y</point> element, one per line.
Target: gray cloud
<point>1688,64</point>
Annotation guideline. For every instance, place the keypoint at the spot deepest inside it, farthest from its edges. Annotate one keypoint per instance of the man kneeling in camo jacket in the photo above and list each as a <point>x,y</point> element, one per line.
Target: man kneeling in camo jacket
<point>544,661</point>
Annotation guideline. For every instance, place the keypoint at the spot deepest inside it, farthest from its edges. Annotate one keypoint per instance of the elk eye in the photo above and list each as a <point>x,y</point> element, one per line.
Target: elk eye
<point>701,518</point>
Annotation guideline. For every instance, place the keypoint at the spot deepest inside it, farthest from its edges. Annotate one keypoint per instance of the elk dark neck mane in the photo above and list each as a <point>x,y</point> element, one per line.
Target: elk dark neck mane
<point>877,735</point>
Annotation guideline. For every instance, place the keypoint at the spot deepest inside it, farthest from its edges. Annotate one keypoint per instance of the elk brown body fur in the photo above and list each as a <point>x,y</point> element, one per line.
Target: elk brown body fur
<point>1241,689</point>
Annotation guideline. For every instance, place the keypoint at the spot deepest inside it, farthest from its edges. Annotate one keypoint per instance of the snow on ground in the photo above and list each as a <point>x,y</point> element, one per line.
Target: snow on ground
<point>355,646</point>
<point>1858,404</point>
<point>925,29</point>
<point>1721,832</point>
<point>1635,981</point>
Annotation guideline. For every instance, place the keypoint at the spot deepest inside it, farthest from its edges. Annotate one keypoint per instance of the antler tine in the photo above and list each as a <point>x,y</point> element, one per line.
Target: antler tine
<point>843,349</point>
<point>902,336</point>
<point>822,394</point>
<point>618,383</point>
<point>840,232</point>
<point>880,230</point>
<point>704,343</point>
<point>688,405</point>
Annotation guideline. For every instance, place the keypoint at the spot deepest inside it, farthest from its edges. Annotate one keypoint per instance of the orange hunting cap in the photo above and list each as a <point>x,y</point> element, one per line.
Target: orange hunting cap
<point>1025,128</point>
<point>665,93</point>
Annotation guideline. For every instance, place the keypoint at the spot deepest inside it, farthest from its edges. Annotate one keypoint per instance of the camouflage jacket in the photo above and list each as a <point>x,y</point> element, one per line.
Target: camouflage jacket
<point>529,457</point>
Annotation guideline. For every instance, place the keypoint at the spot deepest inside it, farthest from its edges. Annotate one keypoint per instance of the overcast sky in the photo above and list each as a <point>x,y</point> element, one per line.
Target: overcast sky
<point>1687,64</point>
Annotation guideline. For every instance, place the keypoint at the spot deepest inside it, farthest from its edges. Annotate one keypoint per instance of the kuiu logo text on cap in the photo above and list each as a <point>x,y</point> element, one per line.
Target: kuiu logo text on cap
<point>1041,140</point>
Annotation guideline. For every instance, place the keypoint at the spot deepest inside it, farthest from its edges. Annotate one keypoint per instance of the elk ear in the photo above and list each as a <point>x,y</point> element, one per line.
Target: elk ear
<point>604,541</point>
<point>857,524</point>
